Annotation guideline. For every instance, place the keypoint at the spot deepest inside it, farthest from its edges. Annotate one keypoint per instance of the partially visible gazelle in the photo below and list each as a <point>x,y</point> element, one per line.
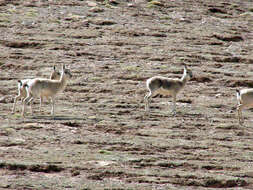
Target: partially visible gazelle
<point>244,101</point>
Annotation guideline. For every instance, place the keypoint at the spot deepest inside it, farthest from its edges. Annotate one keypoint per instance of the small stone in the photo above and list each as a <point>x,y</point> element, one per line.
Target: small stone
<point>218,95</point>
<point>96,10</point>
<point>115,2</point>
<point>249,174</point>
<point>131,5</point>
<point>91,4</point>
<point>85,23</point>
<point>3,99</point>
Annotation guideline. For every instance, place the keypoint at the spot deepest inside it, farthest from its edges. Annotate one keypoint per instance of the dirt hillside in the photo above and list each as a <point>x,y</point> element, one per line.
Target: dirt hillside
<point>100,137</point>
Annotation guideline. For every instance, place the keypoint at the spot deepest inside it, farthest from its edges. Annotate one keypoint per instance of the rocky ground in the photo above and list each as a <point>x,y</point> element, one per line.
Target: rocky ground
<point>100,137</point>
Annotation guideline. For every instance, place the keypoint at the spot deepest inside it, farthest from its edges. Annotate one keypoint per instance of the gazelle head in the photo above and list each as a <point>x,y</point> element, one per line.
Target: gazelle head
<point>66,72</point>
<point>187,71</point>
<point>56,75</point>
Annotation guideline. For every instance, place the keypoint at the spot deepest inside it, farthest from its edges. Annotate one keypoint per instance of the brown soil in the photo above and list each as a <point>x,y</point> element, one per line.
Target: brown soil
<point>100,137</point>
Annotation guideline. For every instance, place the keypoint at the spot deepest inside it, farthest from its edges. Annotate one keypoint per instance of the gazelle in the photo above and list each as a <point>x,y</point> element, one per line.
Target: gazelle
<point>22,94</point>
<point>166,86</point>
<point>245,101</point>
<point>40,87</point>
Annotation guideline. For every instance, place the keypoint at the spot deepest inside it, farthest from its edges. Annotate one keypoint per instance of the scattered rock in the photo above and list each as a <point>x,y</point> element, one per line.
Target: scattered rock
<point>202,79</point>
<point>75,172</point>
<point>217,10</point>
<point>45,168</point>
<point>113,2</point>
<point>187,101</point>
<point>215,43</point>
<point>72,124</point>
<point>246,15</point>
<point>8,132</point>
<point>131,5</point>
<point>29,23</point>
<point>169,164</point>
<point>212,167</point>
<point>223,183</point>
<point>31,126</point>
<point>249,174</point>
<point>78,142</point>
<point>85,23</point>
<point>3,99</point>
<point>21,44</point>
<point>6,2</point>
<point>157,58</point>
<point>5,185</point>
<point>228,59</point>
<point>96,10</point>
<point>218,95</point>
<point>228,38</point>
<point>157,3</point>
<point>91,4</point>
<point>240,133</point>
<point>158,35</point>
<point>102,22</point>
<point>239,83</point>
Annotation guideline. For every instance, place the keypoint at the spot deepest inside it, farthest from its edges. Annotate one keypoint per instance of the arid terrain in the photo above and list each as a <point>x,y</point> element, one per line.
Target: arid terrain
<point>100,137</point>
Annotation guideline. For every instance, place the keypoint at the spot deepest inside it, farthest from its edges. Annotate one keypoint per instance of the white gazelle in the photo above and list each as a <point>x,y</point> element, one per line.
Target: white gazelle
<point>166,86</point>
<point>22,94</point>
<point>40,87</point>
<point>244,101</point>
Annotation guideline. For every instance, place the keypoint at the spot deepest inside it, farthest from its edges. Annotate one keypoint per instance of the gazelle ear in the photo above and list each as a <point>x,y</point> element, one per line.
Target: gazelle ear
<point>20,82</point>
<point>63,66</point>
<point>54,68</point>
<point>184,65</point>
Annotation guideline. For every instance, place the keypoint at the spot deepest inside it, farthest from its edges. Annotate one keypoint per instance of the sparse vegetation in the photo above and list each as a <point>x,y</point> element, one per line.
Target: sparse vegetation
<point>31,13</point>
<point>104,152</point>
<point>4,18</point>
<point>154,3</point>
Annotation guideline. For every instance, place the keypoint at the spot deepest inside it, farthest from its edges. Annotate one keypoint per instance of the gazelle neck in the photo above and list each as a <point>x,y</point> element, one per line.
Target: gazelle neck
<point>63,81</point>
<point>184,78</point>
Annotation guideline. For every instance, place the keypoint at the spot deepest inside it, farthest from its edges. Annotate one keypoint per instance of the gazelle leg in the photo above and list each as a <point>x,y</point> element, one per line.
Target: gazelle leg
<point>26,101</point>
<point>147,101</point>
<point>31,104</point>
<point>174,105</point>
<point>52,102</point>
<point>41,100</point>
<point>15,102</point>
<point>239,110</point>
